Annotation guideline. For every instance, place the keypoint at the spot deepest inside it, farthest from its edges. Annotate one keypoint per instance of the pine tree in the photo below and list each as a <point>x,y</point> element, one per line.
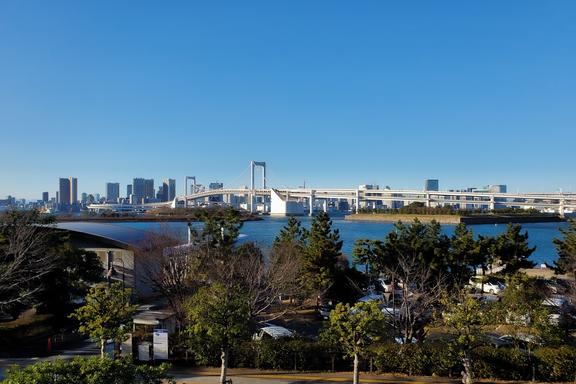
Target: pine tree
<point>322,254</point>
<point>513,249</point>
<point>566,249</point>
<point>292,234</point>
<point>462,255</point>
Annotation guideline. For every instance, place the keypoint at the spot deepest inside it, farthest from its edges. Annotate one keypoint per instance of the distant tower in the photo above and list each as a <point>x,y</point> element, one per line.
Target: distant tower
<point>431,185</point>
<point>45,197</point>
<point>168,190</point>
<point>112,192</point>
<point>64,195</point>
<point>73,190</point>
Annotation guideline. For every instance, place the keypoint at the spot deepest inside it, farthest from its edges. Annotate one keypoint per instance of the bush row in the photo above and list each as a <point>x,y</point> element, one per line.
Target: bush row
<point>546,363</point>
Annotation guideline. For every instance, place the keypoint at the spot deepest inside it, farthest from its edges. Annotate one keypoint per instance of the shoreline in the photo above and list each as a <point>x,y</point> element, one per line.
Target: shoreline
<point>453,219</point>
<point>136,219</point>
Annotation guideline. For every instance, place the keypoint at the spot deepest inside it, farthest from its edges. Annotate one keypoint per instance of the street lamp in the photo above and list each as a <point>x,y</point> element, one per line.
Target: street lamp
<point>111,271</point>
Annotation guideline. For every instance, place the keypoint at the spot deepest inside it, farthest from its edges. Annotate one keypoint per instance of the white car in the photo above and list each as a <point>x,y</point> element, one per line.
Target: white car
<point>555,301</point>
<point>493,287</point>
<point>388,287</point>
<point>271,331</point>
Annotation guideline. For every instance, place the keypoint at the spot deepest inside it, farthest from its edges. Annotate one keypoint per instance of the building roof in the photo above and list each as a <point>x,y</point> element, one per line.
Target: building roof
<point>152,317</point>
<point>89,234</point>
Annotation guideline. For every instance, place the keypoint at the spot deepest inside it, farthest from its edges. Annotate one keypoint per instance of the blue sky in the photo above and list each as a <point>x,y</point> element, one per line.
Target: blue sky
<point>336,93</point>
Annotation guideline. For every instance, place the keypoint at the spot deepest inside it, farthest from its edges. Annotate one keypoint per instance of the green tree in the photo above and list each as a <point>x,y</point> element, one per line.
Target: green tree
<point>356,328</point>
<point>464,318</point>
<point>323,255</point>
<point>424,242</point>
<point>219,316</point>
<point>107,314</point>
<point>292,233</point>
<point>221,231</point>
<point>73,273</point>
<point>566,248</point>
<point>522,308</point>
<point>88,371</point>
<point>513,249</point>
<point>462,255</point>
<point>368,253</point>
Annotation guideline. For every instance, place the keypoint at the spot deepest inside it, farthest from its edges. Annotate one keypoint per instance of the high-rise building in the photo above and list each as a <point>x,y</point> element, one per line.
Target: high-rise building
<point>128,190</point>
<point>64,196</point>
<point>431,185</point>
<point>149,192</point>
<point>216,198</point>
<point>498,188</point>
<point>160,194</point>
<point>112,192</point>
<point>45,197</point>
<point>142,189</point>
<point>138,190</point>
<point>73,191</point>
<point>168,190</point>
<point>84,198</point>
<point>215,185</point>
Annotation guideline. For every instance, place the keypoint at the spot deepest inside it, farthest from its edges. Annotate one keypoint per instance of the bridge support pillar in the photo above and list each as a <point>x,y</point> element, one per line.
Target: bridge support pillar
<point>311,203</point>
<point>428,200</point>
<point>492,203</point>
<point>561,208</point>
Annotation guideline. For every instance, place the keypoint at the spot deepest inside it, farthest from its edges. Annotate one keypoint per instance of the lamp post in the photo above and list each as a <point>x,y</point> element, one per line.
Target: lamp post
<point>111,271</point>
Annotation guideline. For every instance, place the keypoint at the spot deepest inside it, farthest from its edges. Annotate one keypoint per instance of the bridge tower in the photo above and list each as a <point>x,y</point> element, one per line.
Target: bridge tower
<point>193,190</point>
<point>253,165</point>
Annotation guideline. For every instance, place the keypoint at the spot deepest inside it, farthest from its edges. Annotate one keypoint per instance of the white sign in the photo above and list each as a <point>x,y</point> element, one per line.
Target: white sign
<point>160,344</point>
<point>144,351</point>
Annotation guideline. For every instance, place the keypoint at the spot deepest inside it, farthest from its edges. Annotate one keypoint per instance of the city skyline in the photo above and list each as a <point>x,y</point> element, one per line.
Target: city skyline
<point>329,93</point>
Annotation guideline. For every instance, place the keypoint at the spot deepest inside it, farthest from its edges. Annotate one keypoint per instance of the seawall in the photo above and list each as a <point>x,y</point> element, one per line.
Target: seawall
<point>454,219</point>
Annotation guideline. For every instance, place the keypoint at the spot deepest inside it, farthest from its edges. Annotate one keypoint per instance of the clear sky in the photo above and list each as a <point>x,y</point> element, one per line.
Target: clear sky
<point>336,93</point>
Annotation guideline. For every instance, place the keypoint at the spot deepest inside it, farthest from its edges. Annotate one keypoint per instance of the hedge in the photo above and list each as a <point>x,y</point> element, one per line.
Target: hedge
<point>549,363</point>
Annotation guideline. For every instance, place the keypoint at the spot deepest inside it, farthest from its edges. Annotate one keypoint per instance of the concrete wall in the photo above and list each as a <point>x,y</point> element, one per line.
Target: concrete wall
<point>280,206</point>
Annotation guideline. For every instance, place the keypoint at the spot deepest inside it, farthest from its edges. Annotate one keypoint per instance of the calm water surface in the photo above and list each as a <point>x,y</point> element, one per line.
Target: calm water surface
<point>263,232</point>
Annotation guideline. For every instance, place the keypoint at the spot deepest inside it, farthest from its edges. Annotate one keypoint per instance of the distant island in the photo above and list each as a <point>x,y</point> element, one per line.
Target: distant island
<point>448,215</point>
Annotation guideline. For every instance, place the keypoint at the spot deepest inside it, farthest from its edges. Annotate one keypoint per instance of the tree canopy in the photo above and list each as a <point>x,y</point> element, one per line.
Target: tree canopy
<point>107,314</point>
<point>88,371</point>
<point>356,327</point>
<point>323,255</point>
<point>566,248</point>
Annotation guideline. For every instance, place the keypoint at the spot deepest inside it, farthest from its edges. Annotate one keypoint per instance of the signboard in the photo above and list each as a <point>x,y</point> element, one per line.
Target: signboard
<point>109,348</point>
<point>160,344</point>
<point>144,351</point>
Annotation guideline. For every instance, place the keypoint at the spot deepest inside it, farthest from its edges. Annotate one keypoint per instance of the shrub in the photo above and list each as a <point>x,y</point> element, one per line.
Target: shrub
<point>502,363</point>
<point>414,359</point>
<point>283,354</point>
<point>556,364</point>
<point>88,371</point>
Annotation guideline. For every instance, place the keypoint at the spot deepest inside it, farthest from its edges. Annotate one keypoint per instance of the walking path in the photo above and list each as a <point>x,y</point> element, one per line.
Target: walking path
<point>248,376</point>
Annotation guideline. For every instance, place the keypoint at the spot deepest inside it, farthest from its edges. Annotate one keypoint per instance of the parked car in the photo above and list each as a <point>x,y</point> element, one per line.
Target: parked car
<point>372,296</point>
<point>489,286</point>
<point>271,331</point>
<point>390,311</point>
<point>555,301</point>
<point>387,286</point>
